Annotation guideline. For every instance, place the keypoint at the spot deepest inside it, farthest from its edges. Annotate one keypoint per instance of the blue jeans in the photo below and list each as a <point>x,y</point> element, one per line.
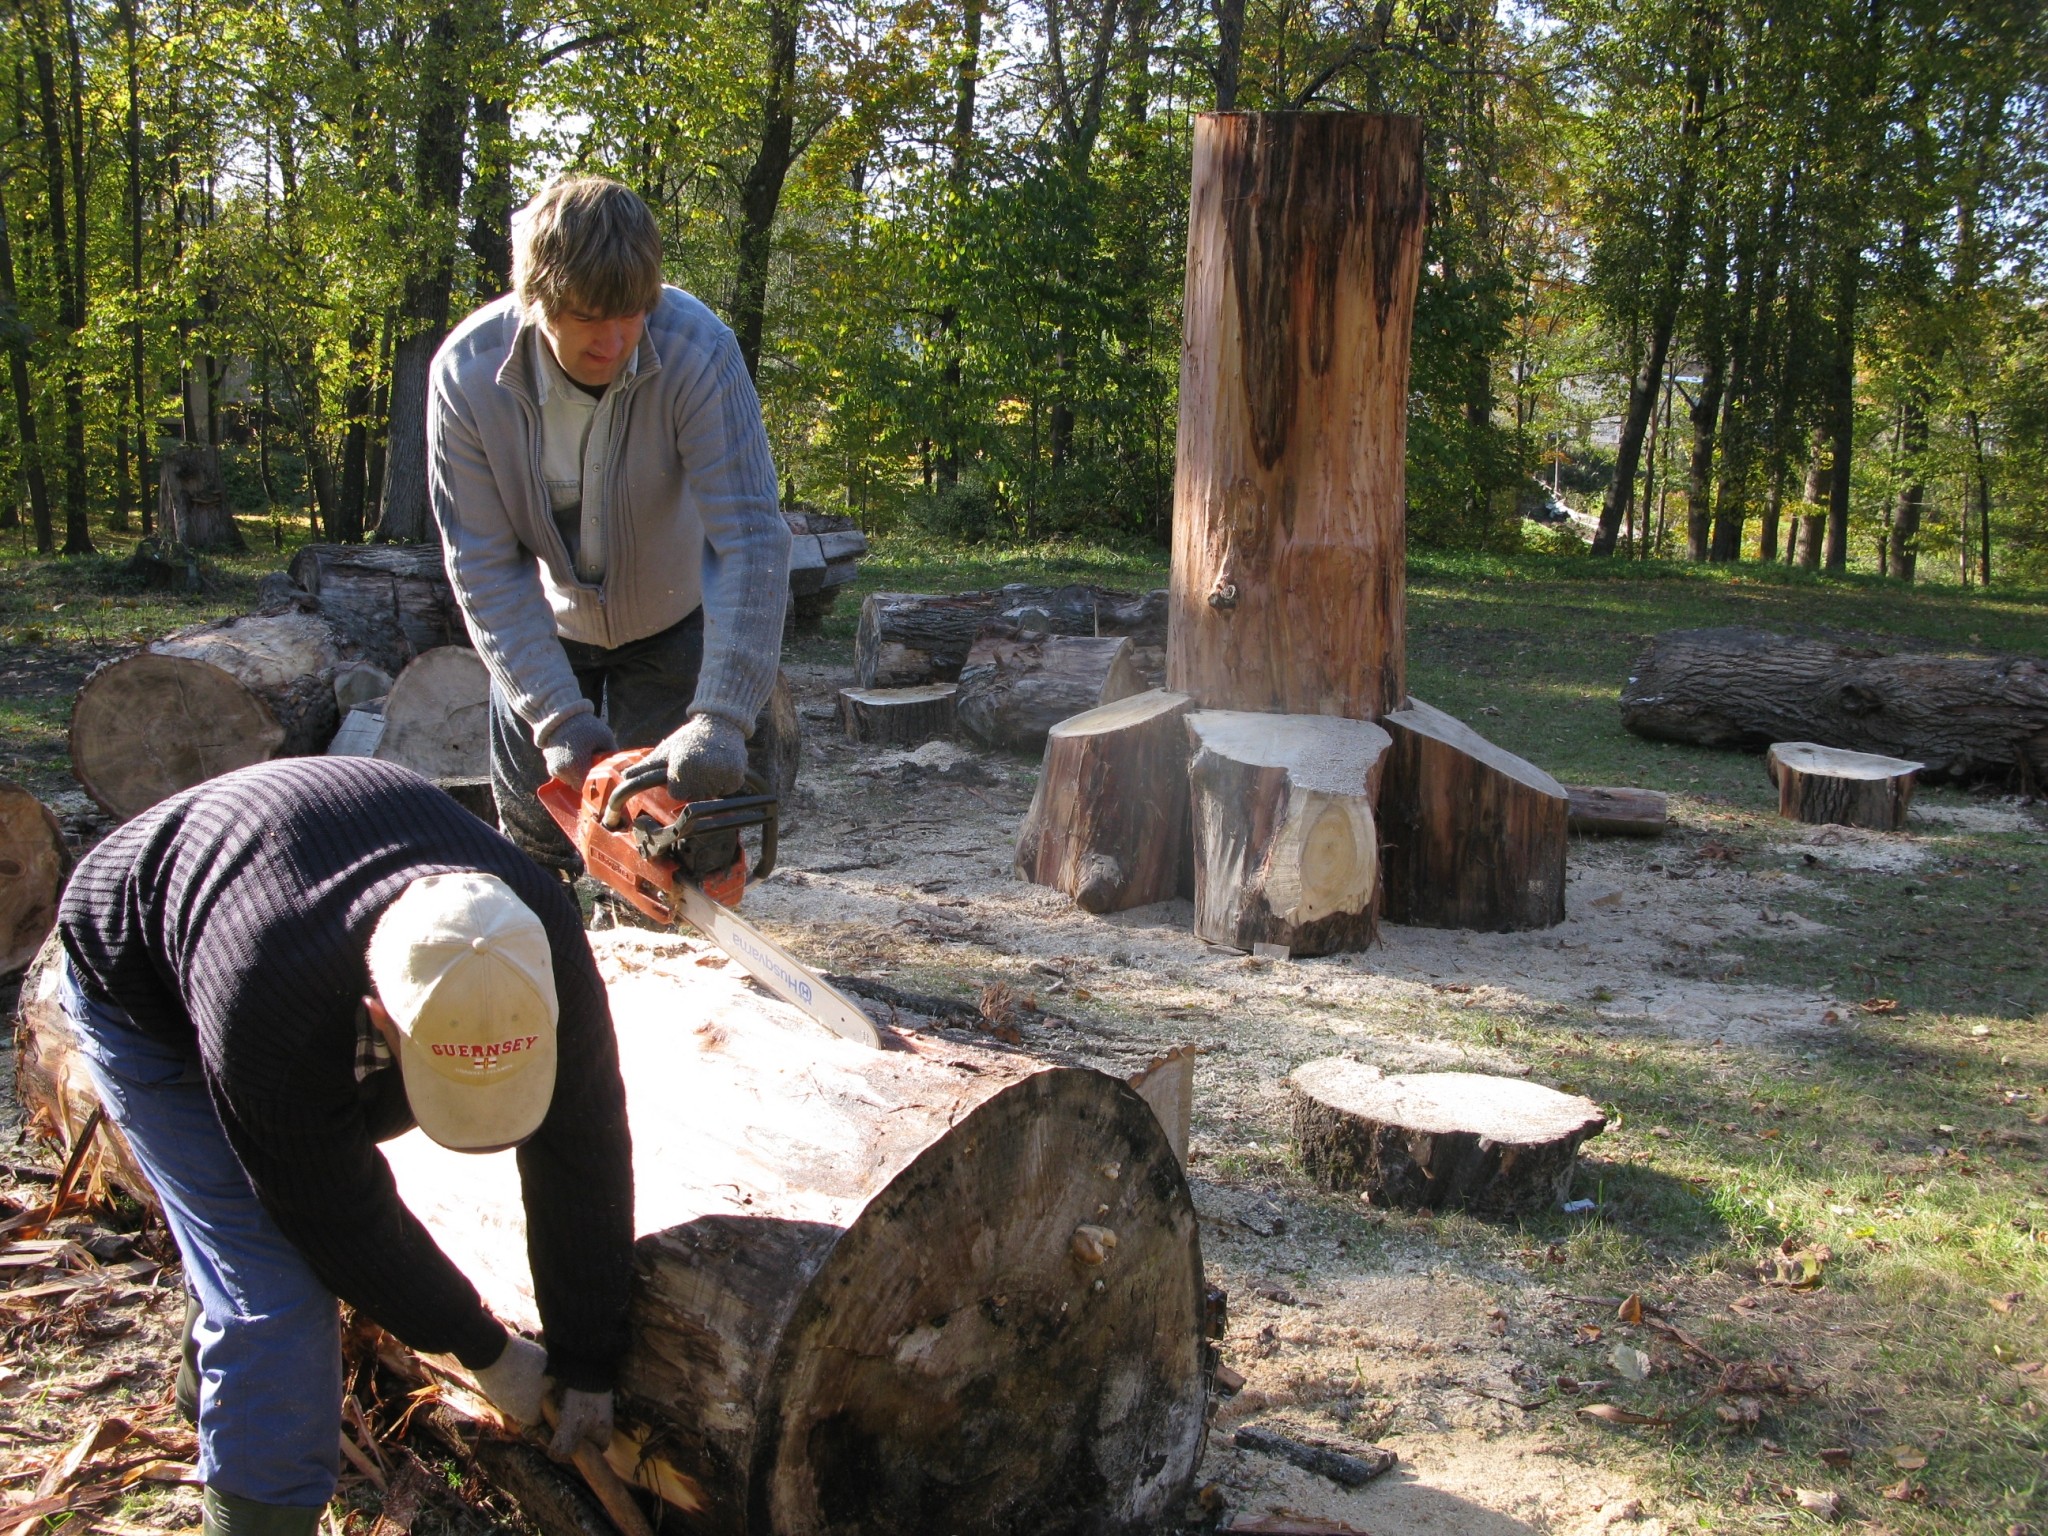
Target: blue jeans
<point>270,1340</point>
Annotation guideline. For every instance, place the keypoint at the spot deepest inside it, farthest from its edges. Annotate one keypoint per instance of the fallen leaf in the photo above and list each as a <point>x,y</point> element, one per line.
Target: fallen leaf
<point>1905,1491</point>
<point>1740,1413</point>
<point>1908,1458</point>
<point>1630,1361</point>
<point>1631,1309</point>
<point>1607,1413</point>
<point>1879,1005</point>
<point>2007,1302</point>
<point>1589,1333</point>
<point>1823,1502</point>
<point>1837,1455</point>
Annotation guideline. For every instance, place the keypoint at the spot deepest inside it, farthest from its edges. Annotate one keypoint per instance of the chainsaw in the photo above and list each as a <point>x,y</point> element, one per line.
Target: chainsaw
<point>681,860</point>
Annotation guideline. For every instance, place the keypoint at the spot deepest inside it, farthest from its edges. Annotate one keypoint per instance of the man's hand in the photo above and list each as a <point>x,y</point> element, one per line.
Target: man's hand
<point>704,760</point>
<point>514,1380</point>
<point>574,744</point>
<point>585,1418</point>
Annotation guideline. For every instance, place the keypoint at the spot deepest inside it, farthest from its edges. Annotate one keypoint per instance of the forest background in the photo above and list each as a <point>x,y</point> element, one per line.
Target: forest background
<point>1740,279</point>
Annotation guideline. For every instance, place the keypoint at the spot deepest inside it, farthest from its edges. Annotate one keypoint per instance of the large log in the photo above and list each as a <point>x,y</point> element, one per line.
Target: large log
<point>1017,686</point>
<point>394,597</point>
<point>1285,849</point>
<point>1964,717</point>
<point>1304,244</point>
<point>938,1287</point>
<point>1849,789</point>
<point>204,701</point>
<point>33,863</point>
<point>1475,836</point>
<point>1596,811</point>
<point>1108,824</point>
<point>437,717</point>
<point>1438,1140</point>
<point>907,638</point>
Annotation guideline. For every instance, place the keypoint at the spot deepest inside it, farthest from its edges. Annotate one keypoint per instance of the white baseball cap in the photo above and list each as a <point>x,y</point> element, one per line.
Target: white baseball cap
<point>462,966</point>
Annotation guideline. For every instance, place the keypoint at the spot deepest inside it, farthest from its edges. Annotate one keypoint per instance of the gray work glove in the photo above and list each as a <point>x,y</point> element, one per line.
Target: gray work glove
<point>514,1380</point>
<point>586,1417</point>
<point>574,744</point>
<point>704,760</point>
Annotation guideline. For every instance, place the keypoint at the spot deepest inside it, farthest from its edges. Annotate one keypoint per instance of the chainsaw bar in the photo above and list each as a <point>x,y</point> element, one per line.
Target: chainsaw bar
<point>775,968</point>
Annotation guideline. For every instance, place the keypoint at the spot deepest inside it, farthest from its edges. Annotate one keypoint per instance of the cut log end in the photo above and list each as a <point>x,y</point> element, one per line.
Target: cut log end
<point>33,862</point>
<point>437,717</point>
<point>898,717</point>
<point>1827,785</point>
<point>1438,1140</point>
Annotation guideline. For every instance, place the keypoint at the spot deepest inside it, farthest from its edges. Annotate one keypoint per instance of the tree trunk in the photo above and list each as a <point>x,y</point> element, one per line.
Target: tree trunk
<point>1596,812</point>
<point>395,600</point>
<point>24,395</point>
<point>205,701</point>
<point>437,717</point>
<point>1812,530</point>
<point>1964,717</point>
<point>1475,836</point>
<point>1439,1140</point>
<point>1285,848</point>
<point>1015,687</point>
<point>898,717</point>
<point>1706,409</point>
<point>1229,51</point>
<point>1289,575</point>
<point>33,864</point>
<point>68,283</point>
<point>907,638</point>
<point>1846,789</point>
<point>191,505</point>
<point>1842,408</point>
<point>1911,502</point>
<point>138,370</point>
<point>952,408</point>
<point>761,192</point>
<point>1108,824</point>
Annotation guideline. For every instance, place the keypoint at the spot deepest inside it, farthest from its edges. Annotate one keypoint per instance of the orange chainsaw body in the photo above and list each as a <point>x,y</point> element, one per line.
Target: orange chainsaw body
<point>646,858</point>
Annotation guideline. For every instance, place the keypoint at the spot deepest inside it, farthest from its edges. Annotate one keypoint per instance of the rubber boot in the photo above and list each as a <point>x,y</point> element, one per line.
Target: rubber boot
<point>188,1363</point>
<point>229,1514</point>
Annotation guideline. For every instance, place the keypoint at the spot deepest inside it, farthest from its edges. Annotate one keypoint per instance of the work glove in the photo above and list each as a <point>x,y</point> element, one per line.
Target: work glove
<point>513,1382</point>
<point>585,1417</point>
<point>574,744</point>
<point>704,760</point>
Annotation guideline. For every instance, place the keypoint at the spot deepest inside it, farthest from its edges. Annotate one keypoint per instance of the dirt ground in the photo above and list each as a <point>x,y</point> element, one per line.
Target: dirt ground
<point>1348,1324</point>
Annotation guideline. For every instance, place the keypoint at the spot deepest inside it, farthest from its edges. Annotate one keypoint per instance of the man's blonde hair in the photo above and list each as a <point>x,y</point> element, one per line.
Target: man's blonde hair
<point>586,245</point>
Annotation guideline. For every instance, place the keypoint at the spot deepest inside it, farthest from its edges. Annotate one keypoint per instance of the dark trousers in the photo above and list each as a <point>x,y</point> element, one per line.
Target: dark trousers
<point>642,689</point>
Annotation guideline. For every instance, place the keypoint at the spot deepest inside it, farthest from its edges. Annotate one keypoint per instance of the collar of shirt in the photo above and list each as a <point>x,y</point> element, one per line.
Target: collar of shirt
<point>373,1052</point>
<point>551,378</point>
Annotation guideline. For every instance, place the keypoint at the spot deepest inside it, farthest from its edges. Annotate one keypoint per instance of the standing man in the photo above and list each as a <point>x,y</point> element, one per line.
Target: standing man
<point>604,490</point>
<point>274,971</point>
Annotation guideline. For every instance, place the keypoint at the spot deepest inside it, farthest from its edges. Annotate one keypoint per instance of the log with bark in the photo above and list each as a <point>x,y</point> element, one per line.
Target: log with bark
<point>1848,789</point>
<point>1305,235</point>
<point>1475,836</point>
<point>394,597</point>
<point>437,717</point>
<point>898,717</point>
<point>907,638</point>
<point>1108,824</point>
<point>938,1287</point>
<point>1439,1140</point>
<point>1017,685</point>
<point>33,863</point>
<point>204,701</point>
<point>1964,717</point>
<point>1615,811</point>
<point>1286,851</point>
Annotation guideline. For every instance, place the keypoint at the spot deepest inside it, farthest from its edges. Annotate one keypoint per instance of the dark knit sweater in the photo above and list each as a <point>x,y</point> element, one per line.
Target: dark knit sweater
<point>232,920</point>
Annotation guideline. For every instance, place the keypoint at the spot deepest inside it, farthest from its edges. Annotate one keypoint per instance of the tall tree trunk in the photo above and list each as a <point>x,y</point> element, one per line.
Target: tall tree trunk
<point>138,371</point>
<point>1706,407</point>
<point>1819,493</point>
<point>952,409</point>
<point>352,503</point>
<point>761,192</point>
<point>1229,51</point>
<point>24,392</point>
<point>70,313</point>
<point>1842,406</point>
<point>490,192</point>
<point>404,517</point>
<point>1909,506</point>
<point>1982,479</point>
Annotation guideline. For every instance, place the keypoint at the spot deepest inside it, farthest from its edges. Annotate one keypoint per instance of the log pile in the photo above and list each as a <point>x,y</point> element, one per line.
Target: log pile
<point>906,639</point>
<point>941,1286</point>
<point>1963,717</point>
<point>1016,685</point>
<point>1849,789</point>
<point>824,556</point>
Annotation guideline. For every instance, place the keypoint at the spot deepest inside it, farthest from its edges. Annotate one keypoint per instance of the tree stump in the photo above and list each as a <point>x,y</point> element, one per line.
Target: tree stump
<point>394,597</point>
<point>1285,849</point>
<point>1964,717</point>
<point>191,506</point>
<point>1108,824</point>
<point>204,701</point>
<point>33,864</point>
<point>437,717</point>
<point>1016,687</point>
<point>1846,789</point>
<point>939,1287</point>
<point>1617,812</point>
<point>1475,836</point>
<point>1304,243</point>
<point>898,717</point>
<point>1439,1140</point>
<point>907,638</point>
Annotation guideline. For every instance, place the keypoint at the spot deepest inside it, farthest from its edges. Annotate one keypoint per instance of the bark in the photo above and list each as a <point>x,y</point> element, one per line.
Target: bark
<point>33,864</point>
<point>1475,836</point>
<point>138,368</point>
<point>1108,824</point>
<point>1812,530</point>
<point>1289,577</point>
<point>761,191</point>
<point>17,335</point>
<point>69,283</point>
<point>394,600</point>
<point>1617,812</point>
<point>1848,789</point>
<point>1439,1140</point>
<point>1965,717</point>
<point>952,409</point>
<point>1229,51</point>
<point>1706,408</point>
<point>908,638</point>
<point>1015,687</point>
<point>1842,407</point>
<point>191,504</point>
<point>490,192</point>
<point>1910,504</point>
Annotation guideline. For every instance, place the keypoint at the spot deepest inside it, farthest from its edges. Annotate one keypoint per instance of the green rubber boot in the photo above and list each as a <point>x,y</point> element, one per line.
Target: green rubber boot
<point>228,1514</point>
<point>188,1363</point>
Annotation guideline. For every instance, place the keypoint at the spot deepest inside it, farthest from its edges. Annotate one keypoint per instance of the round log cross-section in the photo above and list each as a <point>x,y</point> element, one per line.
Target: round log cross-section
<point>1304,243</point>
<point>33,863</point>
<point>1848,789</point>
<point>1439,1140</point>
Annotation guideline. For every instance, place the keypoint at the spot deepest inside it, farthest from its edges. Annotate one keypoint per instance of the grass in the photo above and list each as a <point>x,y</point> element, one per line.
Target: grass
<point>1908,1143</point>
